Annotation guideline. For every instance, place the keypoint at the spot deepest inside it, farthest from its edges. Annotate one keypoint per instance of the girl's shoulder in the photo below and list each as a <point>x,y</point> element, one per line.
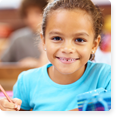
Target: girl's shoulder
<point>98,69</point>
<point>34,73</point>
<point>100,73</point>
<point>28,80</point>
<point>99,66</point>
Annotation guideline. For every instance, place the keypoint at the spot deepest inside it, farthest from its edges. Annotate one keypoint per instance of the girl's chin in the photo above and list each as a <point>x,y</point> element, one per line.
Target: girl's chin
<point>66,72</point>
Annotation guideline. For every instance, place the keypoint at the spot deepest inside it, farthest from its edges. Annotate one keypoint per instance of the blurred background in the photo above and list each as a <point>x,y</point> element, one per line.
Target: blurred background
<point>11,21</point>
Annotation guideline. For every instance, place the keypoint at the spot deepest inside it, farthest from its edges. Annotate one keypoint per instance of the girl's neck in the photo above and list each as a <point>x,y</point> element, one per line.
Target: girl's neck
<point>64,79</point>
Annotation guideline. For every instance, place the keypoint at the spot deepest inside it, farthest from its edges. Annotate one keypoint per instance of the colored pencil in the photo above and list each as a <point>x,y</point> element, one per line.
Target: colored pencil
<point>4,92</point>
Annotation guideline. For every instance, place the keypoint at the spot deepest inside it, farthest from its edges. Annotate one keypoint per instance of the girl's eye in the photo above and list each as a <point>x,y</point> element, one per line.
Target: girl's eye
<point>79,40</point>
<point>57,39</point>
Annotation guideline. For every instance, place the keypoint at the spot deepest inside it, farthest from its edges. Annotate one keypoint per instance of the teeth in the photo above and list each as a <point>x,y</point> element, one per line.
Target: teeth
<point>67,60</point>
<point>64,59</point>
<point>72,59</point>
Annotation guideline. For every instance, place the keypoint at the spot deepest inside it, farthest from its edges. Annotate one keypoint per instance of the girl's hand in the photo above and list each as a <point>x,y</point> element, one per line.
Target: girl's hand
<point>5,105</point>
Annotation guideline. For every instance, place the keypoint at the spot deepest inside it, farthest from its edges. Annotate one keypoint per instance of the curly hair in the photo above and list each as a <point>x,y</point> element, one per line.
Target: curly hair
<point>85,5</point>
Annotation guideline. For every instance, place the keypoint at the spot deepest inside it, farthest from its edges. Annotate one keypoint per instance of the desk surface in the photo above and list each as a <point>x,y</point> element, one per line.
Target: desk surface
<point>9,73</point>
<point>11,70</point>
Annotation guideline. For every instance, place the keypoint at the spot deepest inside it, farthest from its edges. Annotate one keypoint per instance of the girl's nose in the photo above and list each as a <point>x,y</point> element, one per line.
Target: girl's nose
<point>68,48</point>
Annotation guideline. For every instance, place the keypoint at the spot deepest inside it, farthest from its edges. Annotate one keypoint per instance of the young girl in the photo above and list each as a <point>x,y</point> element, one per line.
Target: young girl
<point>70,34</point>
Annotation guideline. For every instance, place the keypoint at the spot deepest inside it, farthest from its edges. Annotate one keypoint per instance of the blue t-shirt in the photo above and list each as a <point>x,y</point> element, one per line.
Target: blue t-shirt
<point>38,92</point>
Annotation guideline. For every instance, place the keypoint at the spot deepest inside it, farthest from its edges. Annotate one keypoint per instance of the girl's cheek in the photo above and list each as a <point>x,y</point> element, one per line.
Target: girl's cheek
<point>53,46</point>
<point>85,50</point>
<point>81,49</point>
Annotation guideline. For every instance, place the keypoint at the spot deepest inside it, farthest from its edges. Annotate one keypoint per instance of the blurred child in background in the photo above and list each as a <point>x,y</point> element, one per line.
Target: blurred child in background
<point>24,47</point>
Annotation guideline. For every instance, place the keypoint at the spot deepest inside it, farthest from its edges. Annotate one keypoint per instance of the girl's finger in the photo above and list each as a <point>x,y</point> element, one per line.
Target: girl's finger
<point>17,101</point>
<point>1,108</point>
<point>7,104</point>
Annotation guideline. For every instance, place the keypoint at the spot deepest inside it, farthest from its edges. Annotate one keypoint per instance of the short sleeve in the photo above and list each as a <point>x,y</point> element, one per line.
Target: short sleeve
<point>20,92</point>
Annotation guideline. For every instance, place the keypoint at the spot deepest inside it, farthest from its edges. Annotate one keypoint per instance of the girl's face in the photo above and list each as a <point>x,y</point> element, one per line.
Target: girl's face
<point>69,40</point>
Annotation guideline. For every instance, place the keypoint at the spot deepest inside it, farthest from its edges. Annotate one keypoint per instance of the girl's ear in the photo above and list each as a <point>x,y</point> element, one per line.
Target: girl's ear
<point>43,40</point>
<point>96,43</point>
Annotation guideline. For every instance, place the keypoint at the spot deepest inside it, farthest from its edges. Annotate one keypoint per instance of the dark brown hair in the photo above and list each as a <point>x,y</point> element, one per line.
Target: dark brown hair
<point>85,5</point>
<point>41,4</point>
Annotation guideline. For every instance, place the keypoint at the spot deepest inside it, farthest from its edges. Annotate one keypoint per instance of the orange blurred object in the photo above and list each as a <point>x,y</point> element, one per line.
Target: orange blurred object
<point>5,30</point>
<point>107,24</point>
<point>76,109</point>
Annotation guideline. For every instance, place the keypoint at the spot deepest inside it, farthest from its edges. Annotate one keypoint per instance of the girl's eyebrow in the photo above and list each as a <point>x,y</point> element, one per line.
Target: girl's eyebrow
<point>76,34</point>
<point>81,34</point>
<point>54,32</point>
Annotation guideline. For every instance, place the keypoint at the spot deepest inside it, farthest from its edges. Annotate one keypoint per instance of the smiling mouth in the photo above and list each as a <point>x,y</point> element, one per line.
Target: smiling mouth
<point>67,60</point>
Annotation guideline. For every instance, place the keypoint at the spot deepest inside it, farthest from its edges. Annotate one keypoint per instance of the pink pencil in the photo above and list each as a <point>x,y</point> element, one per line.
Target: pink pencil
<point>8,98</point>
